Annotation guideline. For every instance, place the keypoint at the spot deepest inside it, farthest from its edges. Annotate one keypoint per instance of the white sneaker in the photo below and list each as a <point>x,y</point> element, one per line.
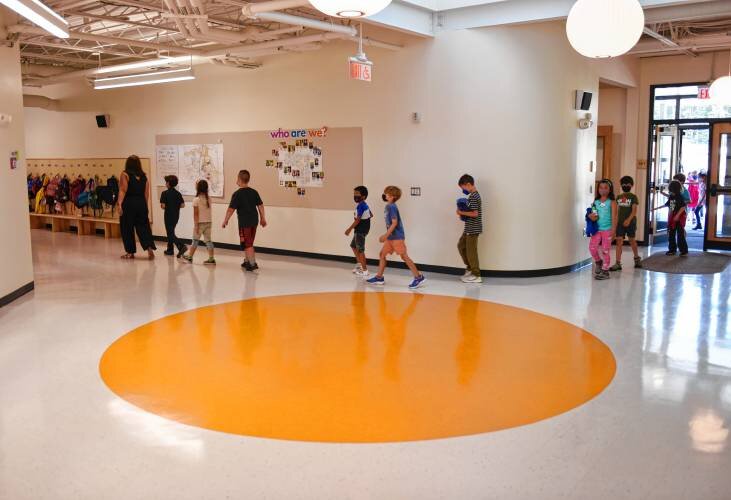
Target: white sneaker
<point>467,273</point>
<point>472,279</point>
<point>361,273</point>
<point>357,269</point>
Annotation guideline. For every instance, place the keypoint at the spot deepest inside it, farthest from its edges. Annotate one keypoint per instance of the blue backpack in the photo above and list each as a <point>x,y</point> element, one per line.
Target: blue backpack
<point>592,226</point>
<point>463,206</point>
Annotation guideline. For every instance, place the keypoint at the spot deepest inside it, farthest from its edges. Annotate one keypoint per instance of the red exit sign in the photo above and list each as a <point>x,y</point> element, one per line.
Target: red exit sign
<point>361,70</point>
<point>704,93</point>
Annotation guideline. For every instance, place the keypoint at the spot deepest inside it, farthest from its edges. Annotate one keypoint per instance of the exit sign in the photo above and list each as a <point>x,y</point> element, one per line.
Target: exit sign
<point>704,93</point>
<point>360,69</point>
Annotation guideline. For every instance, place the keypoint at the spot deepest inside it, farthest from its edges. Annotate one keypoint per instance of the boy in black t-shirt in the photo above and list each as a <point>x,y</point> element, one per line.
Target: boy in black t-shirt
<point>249,208</point>
<point>676,220</point>
<point>171,202</point>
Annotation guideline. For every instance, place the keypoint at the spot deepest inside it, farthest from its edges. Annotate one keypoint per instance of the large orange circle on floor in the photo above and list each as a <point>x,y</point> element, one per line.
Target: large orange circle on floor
<point>357,367</point>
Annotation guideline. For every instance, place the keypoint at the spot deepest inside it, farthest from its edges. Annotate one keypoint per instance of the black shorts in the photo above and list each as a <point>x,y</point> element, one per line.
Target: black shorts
<point>358,242</point>
<point>629,231</point>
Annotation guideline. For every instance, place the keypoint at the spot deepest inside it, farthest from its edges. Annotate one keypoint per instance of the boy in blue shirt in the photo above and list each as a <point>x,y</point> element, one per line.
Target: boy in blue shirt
<point>394,240</point>
<point>362,226</point>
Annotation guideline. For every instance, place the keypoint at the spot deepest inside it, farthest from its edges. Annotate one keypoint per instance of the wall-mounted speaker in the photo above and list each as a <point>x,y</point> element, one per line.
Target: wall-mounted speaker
<point>583,100</point>
<point>102,121</point>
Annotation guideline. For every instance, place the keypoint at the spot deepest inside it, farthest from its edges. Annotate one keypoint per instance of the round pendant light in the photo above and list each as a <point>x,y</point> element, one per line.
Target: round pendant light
<point>605,28</point>
<point>720,90</point>
<point>350,8</point>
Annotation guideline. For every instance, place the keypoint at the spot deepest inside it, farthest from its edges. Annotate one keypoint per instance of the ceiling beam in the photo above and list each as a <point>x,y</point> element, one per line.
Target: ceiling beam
<point>50,57</point>
<point>120,20</point>
<point>101,50</point>
<point>22,28</point>
<point>668,42</point>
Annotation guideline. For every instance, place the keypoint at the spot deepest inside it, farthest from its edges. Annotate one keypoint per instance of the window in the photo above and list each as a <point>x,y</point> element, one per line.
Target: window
<point>665,109</point>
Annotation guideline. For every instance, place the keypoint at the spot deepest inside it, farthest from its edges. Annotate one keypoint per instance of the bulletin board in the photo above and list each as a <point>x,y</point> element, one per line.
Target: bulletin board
<point>86,167</point>
<point>340,150</point>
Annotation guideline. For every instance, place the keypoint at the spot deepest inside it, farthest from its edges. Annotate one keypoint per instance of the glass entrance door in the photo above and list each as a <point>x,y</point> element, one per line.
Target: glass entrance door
<point>718,218</point>
<point>665,157</point>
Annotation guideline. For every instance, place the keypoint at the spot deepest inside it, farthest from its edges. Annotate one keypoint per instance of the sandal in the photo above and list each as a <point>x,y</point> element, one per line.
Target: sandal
<point>128,256</point>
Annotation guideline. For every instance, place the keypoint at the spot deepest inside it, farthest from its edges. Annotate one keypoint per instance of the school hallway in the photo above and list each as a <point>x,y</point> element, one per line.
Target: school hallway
<point>654,427</point>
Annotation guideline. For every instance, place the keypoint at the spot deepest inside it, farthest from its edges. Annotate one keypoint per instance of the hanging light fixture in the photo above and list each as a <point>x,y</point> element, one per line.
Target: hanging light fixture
<point>114,82</point>
<point>350,8</point>
<point>605,28</point>
<point>38,13</point>
<point>720,90</point>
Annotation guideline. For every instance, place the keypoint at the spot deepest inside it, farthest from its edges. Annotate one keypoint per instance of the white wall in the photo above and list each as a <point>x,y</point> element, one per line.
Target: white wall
<point>496,102</point>
<point>15,251</point>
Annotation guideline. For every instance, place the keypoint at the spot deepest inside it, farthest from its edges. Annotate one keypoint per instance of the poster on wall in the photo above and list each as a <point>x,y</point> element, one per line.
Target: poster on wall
<point>166,163</point>
<point>298,159</point>
<point>191,163</point>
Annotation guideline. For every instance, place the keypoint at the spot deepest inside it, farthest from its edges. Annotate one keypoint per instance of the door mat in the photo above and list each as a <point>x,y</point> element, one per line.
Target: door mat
<point>694,263</point>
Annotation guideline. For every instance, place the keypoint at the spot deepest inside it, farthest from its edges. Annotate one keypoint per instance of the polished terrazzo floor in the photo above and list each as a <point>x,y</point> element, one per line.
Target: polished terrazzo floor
<point>659,430</point>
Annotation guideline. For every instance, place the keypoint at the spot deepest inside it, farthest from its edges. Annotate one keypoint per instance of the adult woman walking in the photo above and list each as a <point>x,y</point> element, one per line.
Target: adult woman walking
<point>134,202</point>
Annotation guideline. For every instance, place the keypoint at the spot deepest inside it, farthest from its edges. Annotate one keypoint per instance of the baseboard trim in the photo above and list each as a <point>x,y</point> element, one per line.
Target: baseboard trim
<point>7,299</point>
<point>455,271</point>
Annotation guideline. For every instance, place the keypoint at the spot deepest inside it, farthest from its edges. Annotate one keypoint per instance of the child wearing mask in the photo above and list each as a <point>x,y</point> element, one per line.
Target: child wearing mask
<point>627,203</point>
<point>676,220</point>
<point>604,213</point>
<point>362,226</point>
<point>394,241</point>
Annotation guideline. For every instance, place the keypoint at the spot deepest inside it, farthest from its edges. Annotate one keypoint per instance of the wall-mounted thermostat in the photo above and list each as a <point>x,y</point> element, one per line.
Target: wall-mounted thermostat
<point>416,117</point>
<point>415,191</point>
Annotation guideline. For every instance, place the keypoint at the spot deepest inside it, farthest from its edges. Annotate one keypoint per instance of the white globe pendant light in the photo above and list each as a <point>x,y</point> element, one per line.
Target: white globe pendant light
<point>350,8</point>
<point>605,28</point>
<point>720,91</point>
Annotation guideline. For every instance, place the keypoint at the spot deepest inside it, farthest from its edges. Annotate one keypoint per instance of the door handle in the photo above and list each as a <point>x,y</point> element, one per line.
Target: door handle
<point>716,190</point>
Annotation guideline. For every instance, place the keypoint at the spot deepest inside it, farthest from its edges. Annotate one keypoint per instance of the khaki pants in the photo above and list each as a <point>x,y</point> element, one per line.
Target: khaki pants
<point>467,247</point>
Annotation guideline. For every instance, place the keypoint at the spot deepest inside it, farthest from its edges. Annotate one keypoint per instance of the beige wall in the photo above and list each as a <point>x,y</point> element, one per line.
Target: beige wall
<point>613,113</point>
<point>496,102</point>
<point>15,251</point>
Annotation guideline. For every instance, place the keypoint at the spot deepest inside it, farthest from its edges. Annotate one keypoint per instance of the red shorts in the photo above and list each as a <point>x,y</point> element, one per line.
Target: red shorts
<point>247,235</point>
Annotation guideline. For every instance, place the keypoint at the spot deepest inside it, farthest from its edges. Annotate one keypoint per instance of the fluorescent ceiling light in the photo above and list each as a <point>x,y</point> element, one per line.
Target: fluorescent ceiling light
<point>113,82</point>
<point>39,14</point>
<point>142,64</point>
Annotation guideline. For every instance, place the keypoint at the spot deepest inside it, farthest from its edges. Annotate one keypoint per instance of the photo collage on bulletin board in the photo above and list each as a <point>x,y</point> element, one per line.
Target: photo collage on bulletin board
<point>299,162</point>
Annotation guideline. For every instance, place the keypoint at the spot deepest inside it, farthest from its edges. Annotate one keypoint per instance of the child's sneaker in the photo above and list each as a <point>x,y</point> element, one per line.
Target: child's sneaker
<point>467,274</point>
<point>210,260</point>
<point>683,254</point>
<point>245,264</point>
<point>598,267</point>
<point>638,262</point>
<point>362,273</point>
<point>376,280</point>
<point>182,251</point>
<point>602,275</point>
<point>187,258</point>
<point>253,267</point>
<point>357,269</point>
<point>616,267</point>
<point>669,253</point>
<point>417,282</point>
<point>472,279</point>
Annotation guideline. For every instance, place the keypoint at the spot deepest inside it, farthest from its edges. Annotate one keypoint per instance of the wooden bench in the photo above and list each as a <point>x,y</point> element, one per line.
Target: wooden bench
<point>84,225</point>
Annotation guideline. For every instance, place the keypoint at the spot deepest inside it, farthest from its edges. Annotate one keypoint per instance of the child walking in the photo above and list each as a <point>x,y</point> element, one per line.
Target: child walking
<point>394,240</point>
<point>676,220</point>
<point>467,245</point>
<point>627,203</point>
<point>604,213</point>
<point>201,222</point>
<point>362,226</point>
<point>171,202</point>
<point>249,209</point>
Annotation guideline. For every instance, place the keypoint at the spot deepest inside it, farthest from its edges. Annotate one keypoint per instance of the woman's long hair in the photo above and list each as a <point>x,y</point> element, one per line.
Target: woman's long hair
<point>133,166</point>
<point>201,188</point>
